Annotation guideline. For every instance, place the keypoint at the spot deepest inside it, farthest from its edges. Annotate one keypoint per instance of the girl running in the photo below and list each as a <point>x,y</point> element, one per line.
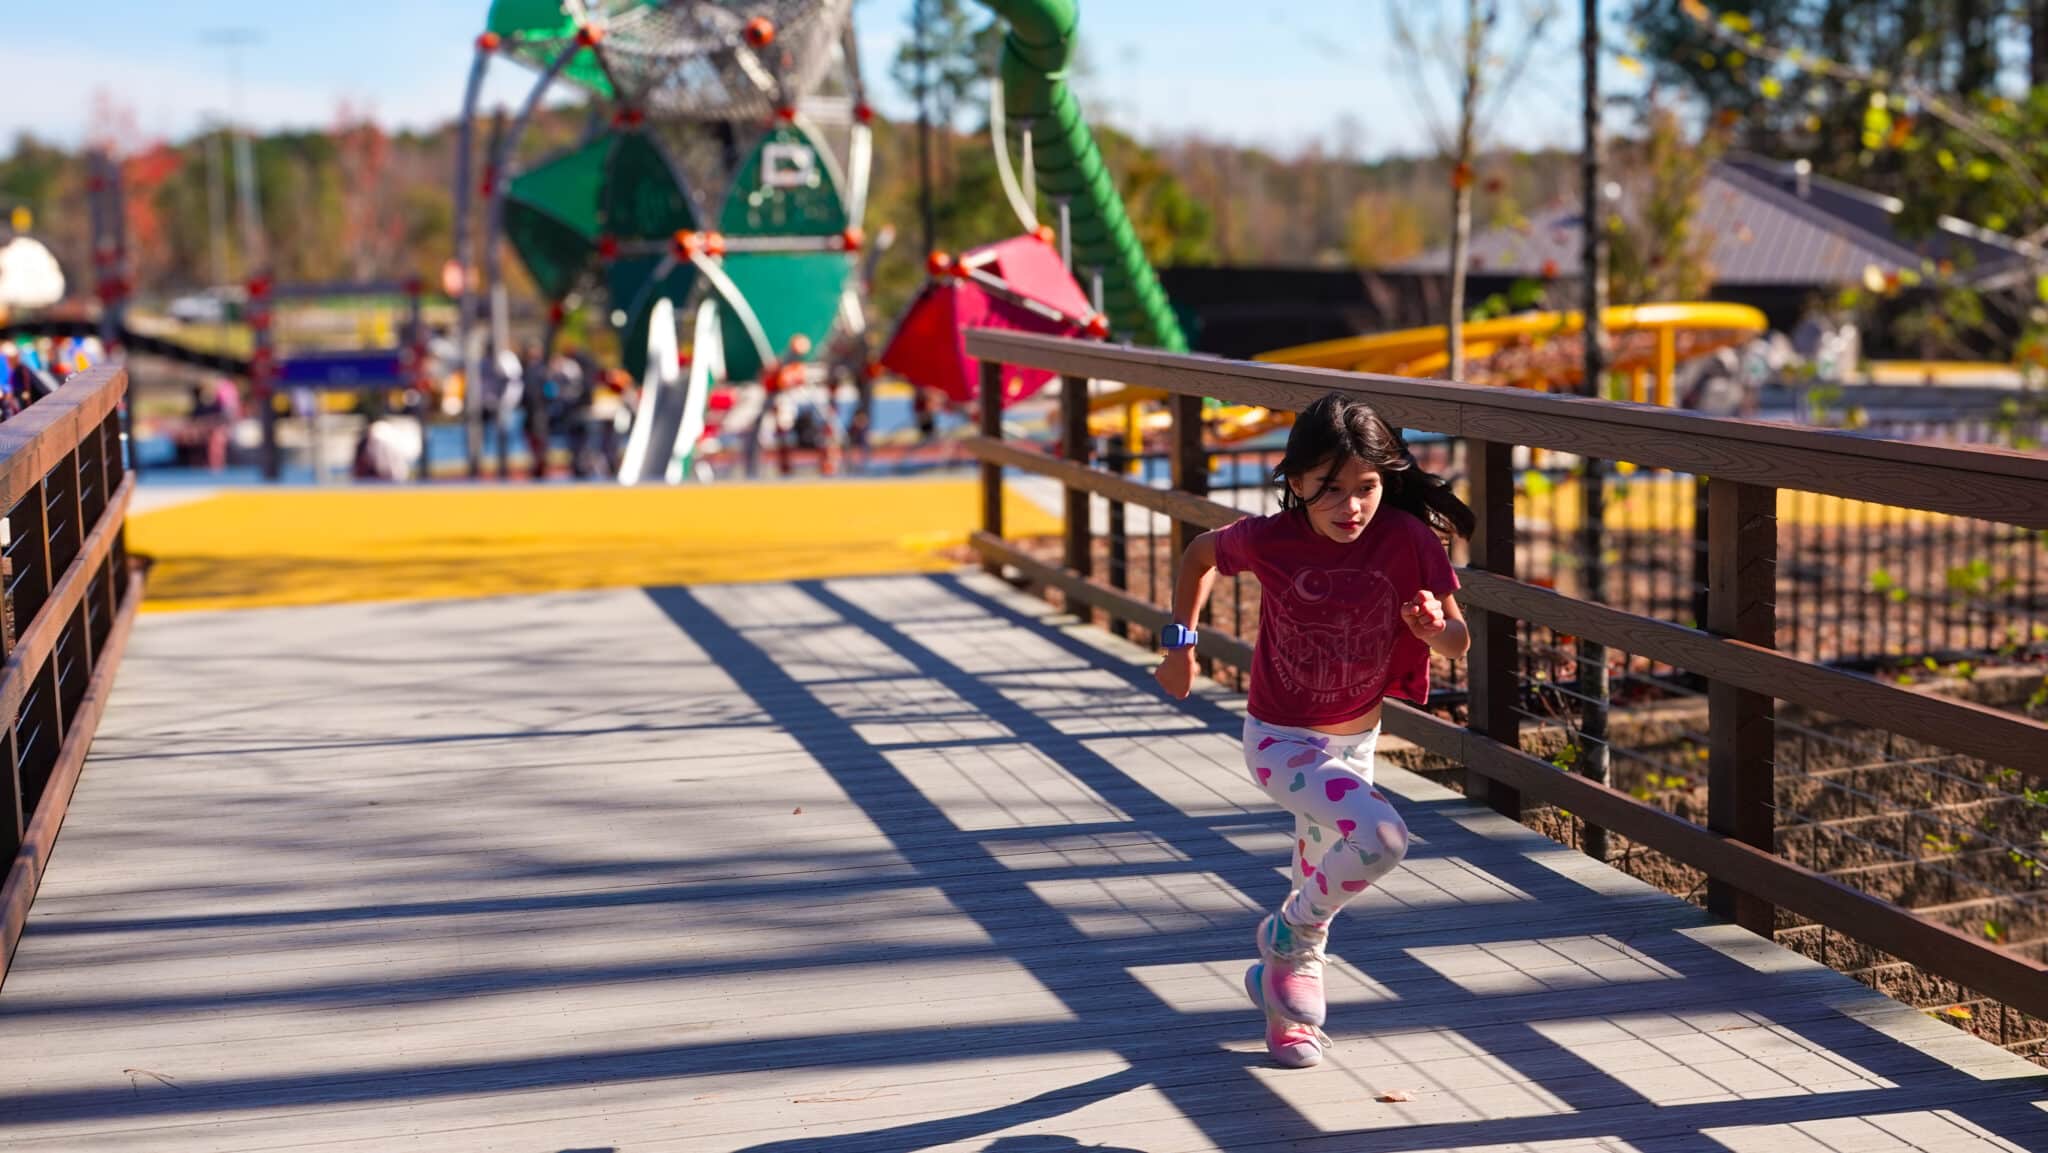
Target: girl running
<point>1355,595</point>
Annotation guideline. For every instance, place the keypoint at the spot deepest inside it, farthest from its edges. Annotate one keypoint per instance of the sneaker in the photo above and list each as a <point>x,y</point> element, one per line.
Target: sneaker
<point>1291,1044</point>
<point>1294,968</point>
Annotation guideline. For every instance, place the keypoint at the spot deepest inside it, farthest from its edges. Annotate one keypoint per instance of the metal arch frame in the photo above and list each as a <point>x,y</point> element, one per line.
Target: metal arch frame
<point>852,184</point>
<point>494,227</point>
<point>501,170</point>
<point>466,243</point>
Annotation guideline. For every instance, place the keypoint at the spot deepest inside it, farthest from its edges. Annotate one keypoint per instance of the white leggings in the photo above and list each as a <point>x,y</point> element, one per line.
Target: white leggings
<point>1346,833</point>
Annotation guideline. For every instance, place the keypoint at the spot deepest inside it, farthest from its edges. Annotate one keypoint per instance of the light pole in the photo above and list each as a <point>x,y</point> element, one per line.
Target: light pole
<point>1593,761</point>
<point>233,40</point>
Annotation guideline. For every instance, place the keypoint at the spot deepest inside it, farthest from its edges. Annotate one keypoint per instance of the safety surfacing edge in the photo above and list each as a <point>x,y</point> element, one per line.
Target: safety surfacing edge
<point>278,547</point>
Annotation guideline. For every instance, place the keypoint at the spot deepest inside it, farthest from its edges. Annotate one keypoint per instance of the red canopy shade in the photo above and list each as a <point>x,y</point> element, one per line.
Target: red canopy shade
<point>1017,284</point>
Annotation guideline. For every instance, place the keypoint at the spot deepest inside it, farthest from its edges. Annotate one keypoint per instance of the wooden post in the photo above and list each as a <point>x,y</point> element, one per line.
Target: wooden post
<point>1190,462</point>
<point>992,474</point>
<point>1119,537</point>
<point>1742,583</point>
<point>1700,577</point>
<point>1080,550</point>
<point>1491,667</point>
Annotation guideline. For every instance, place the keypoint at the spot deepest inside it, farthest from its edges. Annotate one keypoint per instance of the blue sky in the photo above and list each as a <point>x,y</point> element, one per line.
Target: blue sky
<point>1226,69</point>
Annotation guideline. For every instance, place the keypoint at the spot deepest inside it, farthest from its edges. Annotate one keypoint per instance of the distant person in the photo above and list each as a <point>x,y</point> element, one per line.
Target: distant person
<point>610,417</point>
<point>225,410</point>
<point>858,431</point>
<point>780,381</point>
<point>385,451</point>
<point>11,382</point>
<point>571,410</point>
<point>502,385</point>
<point>924,408</point>
<point>535,395</point>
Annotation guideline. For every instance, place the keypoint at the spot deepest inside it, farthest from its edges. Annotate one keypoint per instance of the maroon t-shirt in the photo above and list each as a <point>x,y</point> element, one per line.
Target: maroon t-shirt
<point>1331,640</point>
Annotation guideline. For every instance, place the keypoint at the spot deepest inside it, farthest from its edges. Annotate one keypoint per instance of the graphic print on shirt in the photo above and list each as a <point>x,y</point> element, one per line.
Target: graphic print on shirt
<point>1335,631</point>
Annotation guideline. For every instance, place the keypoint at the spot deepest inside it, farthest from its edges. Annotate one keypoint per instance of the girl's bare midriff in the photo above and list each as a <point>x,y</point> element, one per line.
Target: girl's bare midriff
<point>1363,722</point>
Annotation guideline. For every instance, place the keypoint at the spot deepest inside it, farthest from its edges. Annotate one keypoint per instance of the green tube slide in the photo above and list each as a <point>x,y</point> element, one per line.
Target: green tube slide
<point>1036,53</point>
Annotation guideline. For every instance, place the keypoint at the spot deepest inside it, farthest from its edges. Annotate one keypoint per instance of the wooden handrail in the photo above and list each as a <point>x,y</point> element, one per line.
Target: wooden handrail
<point>1999,973</point>
<point>1744,463</point>
<point>1991,484</point>
<point>2000,737</point>
<point>51,455</point>
<point>39,639</point>
<point>33,441</point>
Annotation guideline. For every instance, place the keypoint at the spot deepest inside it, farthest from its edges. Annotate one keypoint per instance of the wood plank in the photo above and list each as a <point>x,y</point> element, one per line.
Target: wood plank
<point>33,857</point>
<point>1179,505</point>
<point>1998,485</point>
<point>1211,643</point>
<point>336,949</point>
<point>2003,738</point>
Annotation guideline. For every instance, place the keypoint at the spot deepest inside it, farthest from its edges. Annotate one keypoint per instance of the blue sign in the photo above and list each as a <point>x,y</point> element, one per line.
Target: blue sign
<point>374,368</point>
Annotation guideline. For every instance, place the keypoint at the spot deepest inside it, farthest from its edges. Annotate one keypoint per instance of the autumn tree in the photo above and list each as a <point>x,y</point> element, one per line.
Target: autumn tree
<point>1921,115</point>
<point>1460,47</point>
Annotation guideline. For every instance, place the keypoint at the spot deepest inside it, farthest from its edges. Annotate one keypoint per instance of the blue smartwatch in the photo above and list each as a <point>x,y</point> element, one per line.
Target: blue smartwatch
<point>1177,636</point>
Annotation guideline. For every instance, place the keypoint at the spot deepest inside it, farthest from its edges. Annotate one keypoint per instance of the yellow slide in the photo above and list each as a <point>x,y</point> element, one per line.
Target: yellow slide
<point>1539,350</point>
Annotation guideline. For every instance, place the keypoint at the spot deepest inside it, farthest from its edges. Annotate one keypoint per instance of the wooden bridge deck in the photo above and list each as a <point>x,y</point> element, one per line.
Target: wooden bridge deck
<point>865,865</point>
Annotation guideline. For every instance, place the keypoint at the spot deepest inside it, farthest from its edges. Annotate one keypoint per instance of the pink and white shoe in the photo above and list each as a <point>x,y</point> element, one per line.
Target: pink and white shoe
<point>1291,1044</point>
<point>1293,970</point>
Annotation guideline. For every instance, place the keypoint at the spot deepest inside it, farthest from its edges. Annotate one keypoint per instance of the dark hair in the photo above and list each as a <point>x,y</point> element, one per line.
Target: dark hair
<point>1337,428</point>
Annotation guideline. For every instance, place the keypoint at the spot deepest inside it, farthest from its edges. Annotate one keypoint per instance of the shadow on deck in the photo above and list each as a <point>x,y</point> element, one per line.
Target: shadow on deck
<point>833,867</point>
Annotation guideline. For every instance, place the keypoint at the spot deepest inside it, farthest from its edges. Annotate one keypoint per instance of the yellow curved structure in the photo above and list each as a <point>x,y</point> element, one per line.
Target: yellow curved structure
<point>1528,350</point>
<point>1419,352</point>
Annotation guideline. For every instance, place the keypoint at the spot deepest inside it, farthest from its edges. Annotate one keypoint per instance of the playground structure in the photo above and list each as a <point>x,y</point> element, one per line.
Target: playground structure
<point>779,262</point>
<point>1541,351</point>
<point>1023,879</point>
<point>779,259</point>
<point>1020,284</point>
<point>780,256</point>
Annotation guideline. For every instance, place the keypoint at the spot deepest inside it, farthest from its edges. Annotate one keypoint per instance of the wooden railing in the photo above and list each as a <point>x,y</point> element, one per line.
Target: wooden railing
<point>1747,462</point>
<point>71,596</point>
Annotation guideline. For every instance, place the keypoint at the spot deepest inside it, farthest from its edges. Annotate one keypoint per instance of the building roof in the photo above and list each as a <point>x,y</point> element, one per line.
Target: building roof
<point>1769,224</point>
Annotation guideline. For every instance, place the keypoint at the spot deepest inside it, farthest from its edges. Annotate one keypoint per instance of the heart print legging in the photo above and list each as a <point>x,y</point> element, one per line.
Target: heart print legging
<point>1346,833</point>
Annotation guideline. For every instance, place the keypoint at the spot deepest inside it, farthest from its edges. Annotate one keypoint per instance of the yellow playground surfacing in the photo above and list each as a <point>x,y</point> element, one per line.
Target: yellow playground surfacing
<point>260,548</point>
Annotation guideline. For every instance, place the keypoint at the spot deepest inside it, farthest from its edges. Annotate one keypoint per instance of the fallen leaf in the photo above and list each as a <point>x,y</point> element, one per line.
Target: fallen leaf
<point>1396,1095</point>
